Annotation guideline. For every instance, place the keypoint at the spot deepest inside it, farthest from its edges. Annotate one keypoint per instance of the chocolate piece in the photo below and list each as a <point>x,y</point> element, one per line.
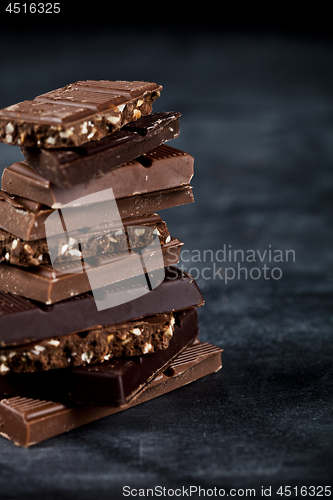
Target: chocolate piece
<point>162,168</point>
<point>154,202</point>
<point>147,335</point>
<point>68,167</point>
<point>46,285</point>
<point>106,238</point>
<point>177,291</point>
<point>113,382</point>
<point>80,112</point>
<point>31,421</point>
<point>25,219</point>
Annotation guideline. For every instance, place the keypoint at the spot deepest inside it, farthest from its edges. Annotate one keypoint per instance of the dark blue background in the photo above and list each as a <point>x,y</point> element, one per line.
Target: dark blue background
<point>257,111</point>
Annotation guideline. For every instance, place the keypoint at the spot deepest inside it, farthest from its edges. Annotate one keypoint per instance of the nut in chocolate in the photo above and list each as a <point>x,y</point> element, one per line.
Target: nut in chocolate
<point>99,210</point>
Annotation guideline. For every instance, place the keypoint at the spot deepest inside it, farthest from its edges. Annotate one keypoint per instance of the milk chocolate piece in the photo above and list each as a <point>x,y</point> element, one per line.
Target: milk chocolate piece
<point>162,168</point>
<point>25,219</point>
<point>132,338</point>
<point>106,238</point>
<point>46,285</point>
<point>113,382</point>
<point>30,421</point>
<point>77,113</point>
<point>177,291</point>
<point>68,167</point>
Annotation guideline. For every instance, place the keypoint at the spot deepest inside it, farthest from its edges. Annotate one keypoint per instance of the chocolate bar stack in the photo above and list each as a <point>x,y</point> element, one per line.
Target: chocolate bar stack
<point>93,316</point>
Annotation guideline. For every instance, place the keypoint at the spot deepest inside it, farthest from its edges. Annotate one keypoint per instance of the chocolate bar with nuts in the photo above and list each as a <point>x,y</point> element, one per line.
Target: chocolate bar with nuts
<point>45,284</point>
<point>27,421</point>
<point>178,290</point>
<point>102,239</point>
<point>25,219</point>
<point>113,382</point>
<point>77,113</point>
<point>69,167</point>
<point>91,346</point>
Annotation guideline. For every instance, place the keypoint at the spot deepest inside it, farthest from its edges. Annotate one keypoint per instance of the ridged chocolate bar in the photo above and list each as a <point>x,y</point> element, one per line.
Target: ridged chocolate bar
<point>113,382</point>
<point>77,113</point>
<point>177,291</point>
<point>68,167</point>
<point>31,421</point>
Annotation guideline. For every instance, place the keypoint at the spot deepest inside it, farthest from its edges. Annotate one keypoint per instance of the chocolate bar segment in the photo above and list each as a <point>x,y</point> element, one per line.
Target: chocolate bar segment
<point>46,285</point>
<point>113,382</point>
<point>31,421</point>
<point>147,335</point>
<point>25,219</point>
<point>68,167</point>
<point>177,291</point>
<point>164,167</point>
<point>76,113</point>
<point>106,238</point>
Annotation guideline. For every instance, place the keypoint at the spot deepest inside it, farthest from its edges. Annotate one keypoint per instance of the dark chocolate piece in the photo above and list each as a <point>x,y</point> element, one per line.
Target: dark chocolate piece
<point>31,421</point>
<point>46,285</point>
<point>98,240</point>
<point>147,335</point>
<point>80,112</point>
<point>25,219</point>
<point>68,167</point>
<point>113,382</point>
<point>162,168</point>
<point>177,291</point>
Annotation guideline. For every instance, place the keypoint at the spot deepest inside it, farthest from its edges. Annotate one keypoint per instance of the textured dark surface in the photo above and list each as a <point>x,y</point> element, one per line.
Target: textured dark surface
<point>257,117</point>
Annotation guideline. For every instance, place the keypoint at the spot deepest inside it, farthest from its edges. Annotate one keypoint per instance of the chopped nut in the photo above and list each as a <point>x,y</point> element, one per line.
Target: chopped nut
<point>113,119</point>
<point>110,337</point>
<point>72,241</point>
<point>122,335</point>
<point>14,244</point>
<point>117,233</point>
<point>140,231</point>
<point>156,231</point>
<point>137,114</point>
<point>126,341</point>
<point>51,140</point>
<point>169,331</point>
<point>147,348</point>
<point>9,138</point>
<point>63,249</point>
<point>136,331</point>
<point>87,356</point>
<point>4,368</point>
<point>74,253</point>
<point>112,239</point>
<point>84,128</point>
<point>39,348</point>
<point>139,103</point>
<point>121,107</point>
<point>64,134</point>
<point>54,342</point>
<point>168,239</point>
<point>9,128</point>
